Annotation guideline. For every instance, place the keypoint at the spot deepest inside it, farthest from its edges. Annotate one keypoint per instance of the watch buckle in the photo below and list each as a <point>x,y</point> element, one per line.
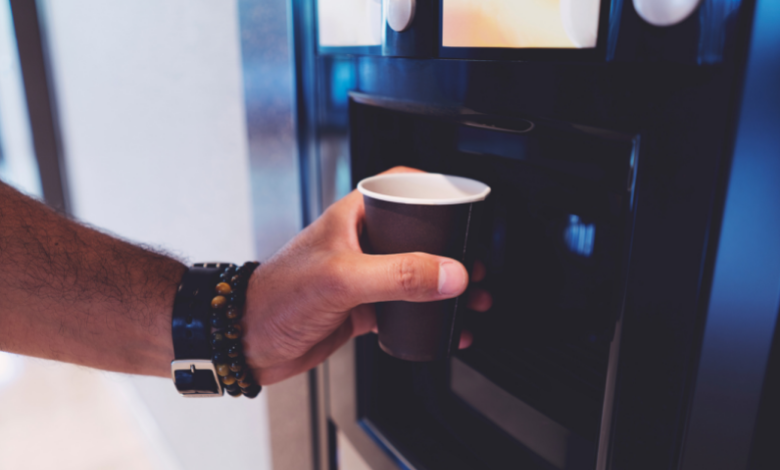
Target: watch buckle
<point>193,365</point>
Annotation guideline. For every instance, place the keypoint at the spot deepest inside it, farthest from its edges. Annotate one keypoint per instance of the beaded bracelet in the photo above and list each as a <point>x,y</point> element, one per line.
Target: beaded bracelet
<point>227,308</point>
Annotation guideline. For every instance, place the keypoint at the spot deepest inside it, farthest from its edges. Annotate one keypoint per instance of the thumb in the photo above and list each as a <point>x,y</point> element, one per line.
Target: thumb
<point>413,277</point>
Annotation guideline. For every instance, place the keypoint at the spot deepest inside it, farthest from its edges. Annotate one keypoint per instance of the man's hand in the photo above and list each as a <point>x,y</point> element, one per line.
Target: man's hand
<point>318,291</point>
<point>70,293</point>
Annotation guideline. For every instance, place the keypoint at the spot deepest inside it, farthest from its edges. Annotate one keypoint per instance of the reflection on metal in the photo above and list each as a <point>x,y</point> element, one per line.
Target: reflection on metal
<point>609,398</point>
<point>633,167</point>
<point>745,296</point>
<point>268,98</point>
<point>342,396</point>
<point>715,16</point>
<point>513,126</point>
<point>535,430</point>
<point>387,445</point>
<point>340,75</point>
<point>304,43</point>
<point>579,236</point>
<point>485,140</point>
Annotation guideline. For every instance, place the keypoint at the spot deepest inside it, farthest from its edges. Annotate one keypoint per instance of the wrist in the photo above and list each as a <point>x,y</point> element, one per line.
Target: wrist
<point>208,332</point>
<point>152,351</point>
<point>261,349</point>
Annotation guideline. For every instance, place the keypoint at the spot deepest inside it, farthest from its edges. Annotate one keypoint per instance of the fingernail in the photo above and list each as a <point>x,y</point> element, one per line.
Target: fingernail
<point>450,278</point>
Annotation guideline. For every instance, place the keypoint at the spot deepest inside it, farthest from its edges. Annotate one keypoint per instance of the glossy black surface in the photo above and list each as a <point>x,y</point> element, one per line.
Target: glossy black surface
<point>420,39</point>
<point>743,303</point>
<point>553,238</point>
<point>658,109</point>
<point>679,158</point>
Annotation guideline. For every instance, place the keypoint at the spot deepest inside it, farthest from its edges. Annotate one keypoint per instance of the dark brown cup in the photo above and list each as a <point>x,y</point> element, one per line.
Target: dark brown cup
<point>431,213</point>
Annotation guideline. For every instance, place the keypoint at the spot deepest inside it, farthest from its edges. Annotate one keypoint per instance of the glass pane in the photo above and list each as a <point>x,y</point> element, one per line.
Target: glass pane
<point>520,23</point>
<point>350,22</point>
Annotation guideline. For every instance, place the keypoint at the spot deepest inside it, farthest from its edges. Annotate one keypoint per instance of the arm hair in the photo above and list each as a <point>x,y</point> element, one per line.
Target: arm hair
<point>71,293</point>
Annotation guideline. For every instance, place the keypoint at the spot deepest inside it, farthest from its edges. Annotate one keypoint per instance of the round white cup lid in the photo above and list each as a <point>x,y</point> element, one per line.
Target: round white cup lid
<point>432,189</point>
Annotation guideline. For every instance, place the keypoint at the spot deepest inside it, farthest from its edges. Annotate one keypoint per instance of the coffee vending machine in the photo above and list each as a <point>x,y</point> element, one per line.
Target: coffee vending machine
<point>631,239</point>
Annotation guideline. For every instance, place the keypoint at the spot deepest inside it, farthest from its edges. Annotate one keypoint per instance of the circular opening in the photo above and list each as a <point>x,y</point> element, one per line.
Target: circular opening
<point>424,188</point>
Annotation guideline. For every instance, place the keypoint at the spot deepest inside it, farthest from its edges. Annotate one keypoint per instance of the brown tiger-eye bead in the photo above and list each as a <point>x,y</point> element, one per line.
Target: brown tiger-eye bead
<point>233,313</point>
<point>233,332</point>
<point>218,302</point>
<point>237,366</point>
<point>223,288</point>
<point>228,380</point>
<point>241,375</point>
<point>223,370</point>
<point>235,393</point>
<point>244,384</point>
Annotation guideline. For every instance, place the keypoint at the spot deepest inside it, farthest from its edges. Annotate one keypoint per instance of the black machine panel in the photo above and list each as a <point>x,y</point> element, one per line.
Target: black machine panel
<point>553,237</point>
<point>609,166</point>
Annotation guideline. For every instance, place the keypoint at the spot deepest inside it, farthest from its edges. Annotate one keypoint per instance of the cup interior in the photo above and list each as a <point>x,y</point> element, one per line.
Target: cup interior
<point>424,188</point>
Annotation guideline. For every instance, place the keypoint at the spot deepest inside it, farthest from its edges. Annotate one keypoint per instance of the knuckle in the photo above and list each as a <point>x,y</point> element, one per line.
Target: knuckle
<point>408,275</point>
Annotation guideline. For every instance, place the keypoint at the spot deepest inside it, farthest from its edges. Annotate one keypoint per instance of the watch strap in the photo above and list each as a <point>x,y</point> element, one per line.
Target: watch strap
<point>192,371</point>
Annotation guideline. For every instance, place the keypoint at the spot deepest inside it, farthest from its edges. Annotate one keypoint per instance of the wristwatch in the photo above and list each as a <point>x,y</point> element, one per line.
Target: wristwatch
<point>192,370</point>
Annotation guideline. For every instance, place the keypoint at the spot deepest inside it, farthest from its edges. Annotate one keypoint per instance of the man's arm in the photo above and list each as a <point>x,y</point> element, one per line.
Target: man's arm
<point>71,293</point>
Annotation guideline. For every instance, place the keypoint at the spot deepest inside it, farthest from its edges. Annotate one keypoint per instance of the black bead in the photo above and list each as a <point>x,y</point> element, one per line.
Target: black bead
<point>218,320</point>
<point>252,391</point>
<point>218,341</point>
<point>233,387</point>
<point>220,357</point>
<point>234,348</point>
<point>235,393</point>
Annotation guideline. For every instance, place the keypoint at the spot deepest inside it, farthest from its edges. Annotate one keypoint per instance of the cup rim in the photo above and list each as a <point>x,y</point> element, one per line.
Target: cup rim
<point>480,196</point>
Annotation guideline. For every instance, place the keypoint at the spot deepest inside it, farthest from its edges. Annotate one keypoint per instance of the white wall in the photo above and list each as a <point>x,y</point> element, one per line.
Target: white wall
<point>151,107</point>
<point>18,166</point>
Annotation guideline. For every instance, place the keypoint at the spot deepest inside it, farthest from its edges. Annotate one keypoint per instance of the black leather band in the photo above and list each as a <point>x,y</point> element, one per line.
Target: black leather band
<point>191,327</point>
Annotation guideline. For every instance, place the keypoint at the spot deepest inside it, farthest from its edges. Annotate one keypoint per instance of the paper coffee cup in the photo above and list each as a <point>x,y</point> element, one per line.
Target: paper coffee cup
<point>431,213</point>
